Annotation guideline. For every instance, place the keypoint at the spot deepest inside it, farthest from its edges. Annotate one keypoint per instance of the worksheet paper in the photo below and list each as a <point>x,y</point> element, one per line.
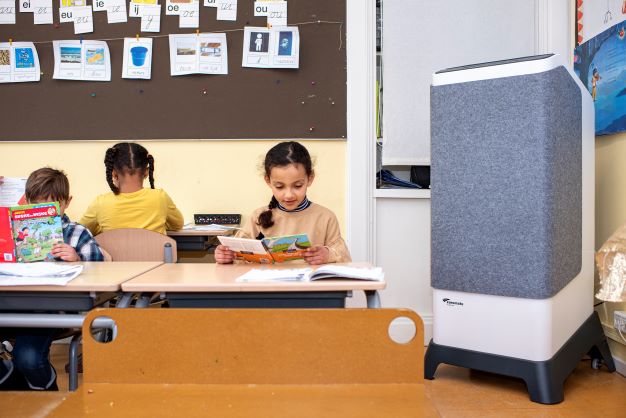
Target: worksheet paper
<point>7,12</point>
<point>204,53</point>
<point>275,47</point>
<point>19,62</point>
<point>12,191</point>
<point>137,62</point>
<point>151,18</point>
<point>81,60</point>
<point>42,12</point>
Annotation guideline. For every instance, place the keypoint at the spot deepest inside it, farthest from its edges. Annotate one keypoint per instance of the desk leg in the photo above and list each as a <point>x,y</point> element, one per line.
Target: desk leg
<point>124,301</point>
<point>74,362</point>
<point>373,299</point>
<point>143,301</point>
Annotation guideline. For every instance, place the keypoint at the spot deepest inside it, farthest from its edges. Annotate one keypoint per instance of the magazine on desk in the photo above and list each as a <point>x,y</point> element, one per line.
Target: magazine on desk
<point>28,232</point>
<point>306,274</point>
<point>268,250</point>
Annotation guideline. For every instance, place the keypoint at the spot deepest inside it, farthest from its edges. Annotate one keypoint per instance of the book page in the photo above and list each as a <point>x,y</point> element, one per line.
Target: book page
<point>344,272</point>
<point>38,274</point>
<point>12,191</point>
<point>274,275</point>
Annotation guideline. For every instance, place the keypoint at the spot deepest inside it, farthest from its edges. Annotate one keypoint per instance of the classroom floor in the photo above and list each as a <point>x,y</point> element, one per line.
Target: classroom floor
<point>456,393</point>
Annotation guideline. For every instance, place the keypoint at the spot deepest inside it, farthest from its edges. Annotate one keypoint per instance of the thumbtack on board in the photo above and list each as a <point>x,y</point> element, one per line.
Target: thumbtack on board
<point>197,32</point>
<point>137,37</point>
<point>10,41</point>
<point>81,40</point>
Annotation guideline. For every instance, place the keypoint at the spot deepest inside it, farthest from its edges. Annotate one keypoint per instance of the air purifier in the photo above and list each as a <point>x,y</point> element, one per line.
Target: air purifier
<point>512,179</point>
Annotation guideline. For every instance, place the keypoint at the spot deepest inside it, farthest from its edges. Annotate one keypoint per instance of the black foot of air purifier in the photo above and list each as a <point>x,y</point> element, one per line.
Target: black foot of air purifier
<point>544,379</point>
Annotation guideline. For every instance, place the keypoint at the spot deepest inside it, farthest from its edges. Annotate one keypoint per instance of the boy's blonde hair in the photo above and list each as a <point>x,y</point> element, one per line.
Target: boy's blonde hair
<point>47,183</point>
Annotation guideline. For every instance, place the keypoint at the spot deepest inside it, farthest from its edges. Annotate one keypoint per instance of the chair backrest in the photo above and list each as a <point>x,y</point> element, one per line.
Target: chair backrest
<point>133,244</point>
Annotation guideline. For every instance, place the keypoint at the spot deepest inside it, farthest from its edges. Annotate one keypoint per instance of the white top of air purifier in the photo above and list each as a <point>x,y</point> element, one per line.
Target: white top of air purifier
<point>497,69</point>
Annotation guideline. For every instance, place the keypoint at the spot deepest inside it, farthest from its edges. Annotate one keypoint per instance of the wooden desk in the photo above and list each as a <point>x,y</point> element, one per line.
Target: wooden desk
<point>195,246</point>
<point>214,286</point>
<point>95,285</point>
<point>252,363</point>
<point>98,283</point>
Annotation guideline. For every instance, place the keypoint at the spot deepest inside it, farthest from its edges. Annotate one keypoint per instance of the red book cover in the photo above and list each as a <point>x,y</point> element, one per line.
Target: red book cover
<point>7,246</point>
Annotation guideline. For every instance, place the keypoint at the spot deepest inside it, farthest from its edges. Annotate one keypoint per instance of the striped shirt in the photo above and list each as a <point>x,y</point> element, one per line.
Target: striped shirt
<point>81,239</point>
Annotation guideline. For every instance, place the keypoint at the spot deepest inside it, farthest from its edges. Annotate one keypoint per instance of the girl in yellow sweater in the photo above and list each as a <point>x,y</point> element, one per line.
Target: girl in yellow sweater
<point>289,173</point>
<point>130,205</point>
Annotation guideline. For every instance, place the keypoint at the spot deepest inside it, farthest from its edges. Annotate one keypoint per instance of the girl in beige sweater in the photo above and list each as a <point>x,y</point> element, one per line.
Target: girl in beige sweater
<point>289,172</point>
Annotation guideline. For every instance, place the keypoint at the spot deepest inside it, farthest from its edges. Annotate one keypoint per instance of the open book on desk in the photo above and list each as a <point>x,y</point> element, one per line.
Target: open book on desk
<point>328,271</point>
<point>38,274</point>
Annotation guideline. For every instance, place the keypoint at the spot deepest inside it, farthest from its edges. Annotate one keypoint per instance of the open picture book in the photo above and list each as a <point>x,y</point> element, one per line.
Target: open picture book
<point>306,274</point>
<point>268,250</point>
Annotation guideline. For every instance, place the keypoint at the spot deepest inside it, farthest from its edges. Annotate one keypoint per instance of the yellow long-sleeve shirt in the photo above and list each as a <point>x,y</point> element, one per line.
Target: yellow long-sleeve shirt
<point>318,222</point>
<point>150,209</point>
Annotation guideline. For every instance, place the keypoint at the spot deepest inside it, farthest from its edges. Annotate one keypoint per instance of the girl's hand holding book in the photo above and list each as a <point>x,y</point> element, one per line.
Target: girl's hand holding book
<point>223,255</point>
<point>317,255</point>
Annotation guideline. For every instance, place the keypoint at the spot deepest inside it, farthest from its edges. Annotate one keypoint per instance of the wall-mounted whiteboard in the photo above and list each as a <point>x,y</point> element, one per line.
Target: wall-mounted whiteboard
<point>421,37</point>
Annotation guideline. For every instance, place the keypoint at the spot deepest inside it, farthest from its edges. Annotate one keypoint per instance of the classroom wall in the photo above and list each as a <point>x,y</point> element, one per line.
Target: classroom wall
<point>201,176</point>
<point>610,214</point>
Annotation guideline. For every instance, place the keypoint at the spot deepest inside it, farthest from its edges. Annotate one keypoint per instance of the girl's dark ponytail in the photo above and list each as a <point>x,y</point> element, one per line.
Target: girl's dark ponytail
<point>265,218</point>
<point>150,159</point>
<point>109,162</point>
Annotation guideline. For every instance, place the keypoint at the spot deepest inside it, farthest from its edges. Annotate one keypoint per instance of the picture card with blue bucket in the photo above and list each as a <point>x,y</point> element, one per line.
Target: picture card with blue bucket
<point>137,61</point>
<point>81,60</point>
<point>19,62</point>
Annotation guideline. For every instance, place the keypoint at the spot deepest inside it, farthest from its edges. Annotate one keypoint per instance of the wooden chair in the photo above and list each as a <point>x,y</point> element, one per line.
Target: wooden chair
<point>133,244</point>
<point>128,244</point>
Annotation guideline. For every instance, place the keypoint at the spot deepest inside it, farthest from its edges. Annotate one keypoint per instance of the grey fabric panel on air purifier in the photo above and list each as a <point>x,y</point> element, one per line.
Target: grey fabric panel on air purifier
<point>506,185</point>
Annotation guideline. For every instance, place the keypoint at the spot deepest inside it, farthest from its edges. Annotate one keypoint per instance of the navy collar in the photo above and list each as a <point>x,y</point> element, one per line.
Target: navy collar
<point>302,206</point>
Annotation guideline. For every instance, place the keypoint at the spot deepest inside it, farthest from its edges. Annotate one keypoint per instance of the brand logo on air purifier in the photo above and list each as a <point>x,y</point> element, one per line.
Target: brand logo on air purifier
<point>449,302</point>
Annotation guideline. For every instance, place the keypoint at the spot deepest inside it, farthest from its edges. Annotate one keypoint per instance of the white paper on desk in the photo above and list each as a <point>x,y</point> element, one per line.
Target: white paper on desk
<point>210,228</point>
<point>27,274</point>
<point>227,10</point>
<point>12,190</point>
<point>86,60</point>
<point>273,275</point>
<point>42,12</point>
<point>19,62</point>
<point>151,18</point>
<point>137,62</point>
<point>7,12</point>
<point>189,15</point>
<point>116,11</point>
<point>83,19</point>
<point>210,3</point>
